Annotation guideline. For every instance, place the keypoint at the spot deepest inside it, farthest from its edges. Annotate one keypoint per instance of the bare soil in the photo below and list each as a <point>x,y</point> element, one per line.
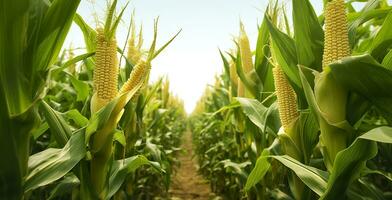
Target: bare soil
<point>187,184</point>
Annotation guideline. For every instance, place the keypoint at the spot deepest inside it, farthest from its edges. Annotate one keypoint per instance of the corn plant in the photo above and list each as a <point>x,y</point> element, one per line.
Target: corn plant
<point>32,35</point>
<point>309,85</point>
<point>70,106</point>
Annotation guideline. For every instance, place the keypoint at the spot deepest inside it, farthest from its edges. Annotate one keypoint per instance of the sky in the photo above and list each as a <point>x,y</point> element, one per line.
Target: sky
<point>192,60</point>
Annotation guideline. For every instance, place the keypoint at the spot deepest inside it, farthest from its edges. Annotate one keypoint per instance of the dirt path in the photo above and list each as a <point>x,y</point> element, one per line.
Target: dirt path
<point>187,184</point>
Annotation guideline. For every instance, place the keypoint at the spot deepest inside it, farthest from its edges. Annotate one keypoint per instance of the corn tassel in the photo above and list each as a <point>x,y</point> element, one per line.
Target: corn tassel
<point>330,96</point>
<point>134,53</point>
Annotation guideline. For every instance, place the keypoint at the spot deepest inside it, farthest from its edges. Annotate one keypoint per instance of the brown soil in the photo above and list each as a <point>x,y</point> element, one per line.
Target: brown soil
<point>187,184</point>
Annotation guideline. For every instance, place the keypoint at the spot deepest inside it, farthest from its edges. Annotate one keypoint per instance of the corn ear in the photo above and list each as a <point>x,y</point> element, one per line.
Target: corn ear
<point>105,75</point>
<point>336,45</point>
<point>138,74</point>
<point>246,53</point>
<point>287,103</point>
<point>233,78</point>
<point>240,89</point>
<point>330,96</point>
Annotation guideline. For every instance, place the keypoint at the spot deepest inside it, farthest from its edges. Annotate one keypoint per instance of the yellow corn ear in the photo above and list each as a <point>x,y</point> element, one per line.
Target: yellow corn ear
<point>336,45</point>
<point>246,53</point>
<point>105,75</point>
<point>241,88</point>
<point>233,79</point>
<point>331,97</point>
<point>288,113</point>
<point>138,74</point>
<point>287,103</point>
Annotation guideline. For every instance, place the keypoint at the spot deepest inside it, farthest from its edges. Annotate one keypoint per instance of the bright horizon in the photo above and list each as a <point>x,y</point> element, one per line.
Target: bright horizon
<point>192,60</point>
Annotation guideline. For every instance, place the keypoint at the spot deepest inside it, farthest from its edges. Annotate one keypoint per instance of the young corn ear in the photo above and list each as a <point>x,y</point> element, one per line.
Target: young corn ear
<point>246,53</point>
<point>246,60</point>
<point>287,103</point>
<point>138,75</point>
<point>330,96</point>
<point>105,75</point>
<point>241,88</point>
<point>233,78</point>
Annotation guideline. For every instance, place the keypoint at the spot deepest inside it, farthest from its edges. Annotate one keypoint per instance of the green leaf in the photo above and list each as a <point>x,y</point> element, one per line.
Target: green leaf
<point>363,17</point>
<point>81,87</point>
<point>77,117</point>
<point>54,28</point>
<point>284,49</point>
<point>29,47</point>
<point>368,79</point>
<point>236,168</point>
<point>308,134</point>
<point>40,130</point>
<point>378,172</point>
<point>119,137</point>
<point>52,164</point>
<point>308,34</point>
<point>350,162</point>
<point>383,40</point>
<point>232,105</point>
<point>314,178</point>
<point>310,98</point>
<point>387,61</point>
<point>57,124</point>
<point>89,33</point>
<point>72,61</point>
<point>272,118</point>
<point>254,110</point>
<point>151,93</point>
<point>259,171</point>
<point>121,168</point>
<point>100,118</point>
<point>381,134</point>
<point>112,111</point>
<point>226,78</point>
<point>156,53</point>
<point>262,66</point>
<point>64,187</point>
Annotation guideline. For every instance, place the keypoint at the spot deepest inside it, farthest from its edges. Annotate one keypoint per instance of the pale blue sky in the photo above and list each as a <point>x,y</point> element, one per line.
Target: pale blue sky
<point>192,60</point>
